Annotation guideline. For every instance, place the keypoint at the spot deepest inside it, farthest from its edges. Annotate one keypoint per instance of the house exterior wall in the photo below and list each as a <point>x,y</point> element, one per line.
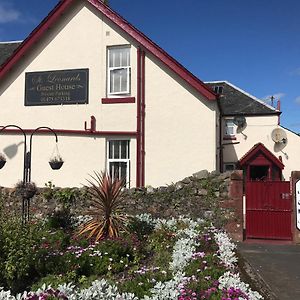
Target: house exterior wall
<point>180,128</point>
<point>176,144</point>
<point>258,130</point>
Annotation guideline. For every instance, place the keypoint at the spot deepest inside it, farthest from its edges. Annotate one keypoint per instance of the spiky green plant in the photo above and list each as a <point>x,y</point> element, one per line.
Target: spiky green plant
<point>105,208</point>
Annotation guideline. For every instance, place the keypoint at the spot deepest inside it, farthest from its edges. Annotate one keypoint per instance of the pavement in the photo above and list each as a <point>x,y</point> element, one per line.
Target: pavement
<point>274,269</point>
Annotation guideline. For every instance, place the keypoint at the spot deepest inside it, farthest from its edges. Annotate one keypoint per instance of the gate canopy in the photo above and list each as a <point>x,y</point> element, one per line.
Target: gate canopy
<point>261,164</point>
<point>259,154</point>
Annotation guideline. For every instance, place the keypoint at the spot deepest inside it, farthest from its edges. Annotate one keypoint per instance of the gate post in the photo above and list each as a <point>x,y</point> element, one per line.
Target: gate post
<point>295,177</point>
<point>235,203</point>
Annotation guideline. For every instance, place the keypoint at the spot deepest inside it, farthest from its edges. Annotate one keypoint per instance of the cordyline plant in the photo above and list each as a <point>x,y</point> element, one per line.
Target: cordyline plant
<point>105,209</point>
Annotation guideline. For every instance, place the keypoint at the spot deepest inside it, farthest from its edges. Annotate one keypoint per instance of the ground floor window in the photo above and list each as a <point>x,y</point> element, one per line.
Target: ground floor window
<point>229,167</point>
<point>119,159</point>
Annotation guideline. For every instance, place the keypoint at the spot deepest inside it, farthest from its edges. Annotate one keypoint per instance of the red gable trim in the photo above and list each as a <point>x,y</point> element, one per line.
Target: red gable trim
<point>155,50</point>
<point>260,148</point>
<point>34,36</point>
<point>123,24</point>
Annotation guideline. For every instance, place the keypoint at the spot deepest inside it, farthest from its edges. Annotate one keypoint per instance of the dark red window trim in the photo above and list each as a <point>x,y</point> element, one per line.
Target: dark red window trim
<point>118,100</point>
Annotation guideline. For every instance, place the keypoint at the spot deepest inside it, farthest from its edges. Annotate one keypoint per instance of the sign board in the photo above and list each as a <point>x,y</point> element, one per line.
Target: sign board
<point>297,193</point>
<point>56,87</point>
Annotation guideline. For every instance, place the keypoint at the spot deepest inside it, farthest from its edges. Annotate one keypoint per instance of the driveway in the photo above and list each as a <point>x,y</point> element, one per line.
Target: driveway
<point>277,265</point>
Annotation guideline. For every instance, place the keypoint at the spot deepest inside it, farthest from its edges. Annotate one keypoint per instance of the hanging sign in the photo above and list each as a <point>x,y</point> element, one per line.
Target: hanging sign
<point>56,87</point>
<point>297,193</point>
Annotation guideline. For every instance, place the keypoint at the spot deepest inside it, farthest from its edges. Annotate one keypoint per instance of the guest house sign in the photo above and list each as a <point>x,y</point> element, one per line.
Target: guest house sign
<point>56,87</point>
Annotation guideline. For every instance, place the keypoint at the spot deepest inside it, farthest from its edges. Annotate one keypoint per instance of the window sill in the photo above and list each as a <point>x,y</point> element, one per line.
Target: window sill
<point>229,138</point>
<point>118,100</point>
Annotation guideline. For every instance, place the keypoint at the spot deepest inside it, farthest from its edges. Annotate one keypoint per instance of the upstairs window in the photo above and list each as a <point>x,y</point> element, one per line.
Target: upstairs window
<point>119,71</point>
<point>218,89</point>
<point>230,129</point>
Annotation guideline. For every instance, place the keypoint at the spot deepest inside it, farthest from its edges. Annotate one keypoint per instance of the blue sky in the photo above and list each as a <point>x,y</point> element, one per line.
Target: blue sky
<point>254,44</point>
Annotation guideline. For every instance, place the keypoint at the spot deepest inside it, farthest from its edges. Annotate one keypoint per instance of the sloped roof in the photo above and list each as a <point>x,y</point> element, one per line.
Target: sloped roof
<point>234,101</point>
<point>260,148</point>
<point>7,49</point>
<point>134,33</point>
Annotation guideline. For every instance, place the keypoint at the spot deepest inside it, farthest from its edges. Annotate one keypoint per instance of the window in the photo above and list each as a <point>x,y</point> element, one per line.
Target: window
<point>229,167</point>
<point>229,128</point>
<point>118,159</point>
<point>218,89</point>
<point>118,71</point>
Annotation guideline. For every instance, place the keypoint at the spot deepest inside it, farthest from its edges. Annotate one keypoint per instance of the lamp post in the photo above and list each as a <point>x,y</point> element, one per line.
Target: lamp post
<point>27,166</point>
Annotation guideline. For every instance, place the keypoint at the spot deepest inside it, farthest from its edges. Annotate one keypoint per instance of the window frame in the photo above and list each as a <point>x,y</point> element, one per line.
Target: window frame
<point>226,134</point>
<point>112,160</point>
<point>218,89</point>
<point>110,69</point>
<point>229,164</point>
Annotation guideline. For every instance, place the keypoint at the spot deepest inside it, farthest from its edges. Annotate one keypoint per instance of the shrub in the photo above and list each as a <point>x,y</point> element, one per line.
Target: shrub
<point>105,208</point>
<point>60,218</point>
<point>141,228</point>
<point>16,251</point>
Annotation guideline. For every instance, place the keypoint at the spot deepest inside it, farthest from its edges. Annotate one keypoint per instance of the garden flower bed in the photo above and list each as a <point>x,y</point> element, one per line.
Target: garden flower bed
<point>179,259</point>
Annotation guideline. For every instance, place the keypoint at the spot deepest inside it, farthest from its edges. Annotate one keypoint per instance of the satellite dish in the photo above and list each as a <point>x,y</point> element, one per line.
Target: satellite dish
<point>239,121</point>
<point>278,135</point>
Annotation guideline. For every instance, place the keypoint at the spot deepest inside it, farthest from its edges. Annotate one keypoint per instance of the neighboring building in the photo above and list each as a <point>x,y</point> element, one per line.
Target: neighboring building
<point>7,49</point>
<point>116,100</point>
<point>247,127</point>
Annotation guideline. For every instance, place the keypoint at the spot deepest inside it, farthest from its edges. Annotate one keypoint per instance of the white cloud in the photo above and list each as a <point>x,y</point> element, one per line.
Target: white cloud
<point>8,13</point>
<point>297,100</point>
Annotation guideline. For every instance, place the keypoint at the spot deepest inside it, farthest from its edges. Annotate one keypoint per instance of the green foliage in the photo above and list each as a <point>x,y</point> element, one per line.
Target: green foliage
<point>16,252</point>
<point>48,192</point>
<point>61,218</point>
<point>66,196</point>
<point>53,280</point>
<point>141,283</point>
<point>160,243</point>
<point>36,254</point>
<point>141,228</point>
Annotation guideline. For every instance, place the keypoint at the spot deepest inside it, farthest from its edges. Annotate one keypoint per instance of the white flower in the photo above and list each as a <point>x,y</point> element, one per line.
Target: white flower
<point>228,280</point>
<point>226,249</point>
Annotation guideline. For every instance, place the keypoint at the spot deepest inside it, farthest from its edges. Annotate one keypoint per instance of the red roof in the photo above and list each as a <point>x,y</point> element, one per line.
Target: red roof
<point>260,148</point>
<point>134,33</point>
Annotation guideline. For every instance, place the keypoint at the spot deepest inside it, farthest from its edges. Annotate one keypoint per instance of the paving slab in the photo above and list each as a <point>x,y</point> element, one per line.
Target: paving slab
<point>277,265</point>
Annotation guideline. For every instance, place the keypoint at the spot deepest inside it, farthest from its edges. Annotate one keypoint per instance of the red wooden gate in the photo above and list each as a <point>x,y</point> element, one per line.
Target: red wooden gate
<point>268,210</point>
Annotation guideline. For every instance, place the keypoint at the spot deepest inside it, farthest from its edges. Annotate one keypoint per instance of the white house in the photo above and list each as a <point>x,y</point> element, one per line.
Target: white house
<point>115,99</point>
<point>247,122</point>
<point>118,102</point>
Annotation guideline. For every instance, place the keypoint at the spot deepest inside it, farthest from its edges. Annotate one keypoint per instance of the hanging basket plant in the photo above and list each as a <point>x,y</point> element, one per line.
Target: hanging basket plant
<point>27,190</point>
<point>2,161</point>
<point>56,162</point>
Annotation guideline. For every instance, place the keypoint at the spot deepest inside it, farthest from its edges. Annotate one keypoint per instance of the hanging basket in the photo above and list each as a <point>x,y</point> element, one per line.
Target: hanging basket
<point>2,163</point>
<point>56,165</point>
<point>27,190</point>
<point>56,160</point>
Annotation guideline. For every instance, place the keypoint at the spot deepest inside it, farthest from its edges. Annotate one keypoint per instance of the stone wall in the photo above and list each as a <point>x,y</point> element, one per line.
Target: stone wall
<point>203,195</point>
